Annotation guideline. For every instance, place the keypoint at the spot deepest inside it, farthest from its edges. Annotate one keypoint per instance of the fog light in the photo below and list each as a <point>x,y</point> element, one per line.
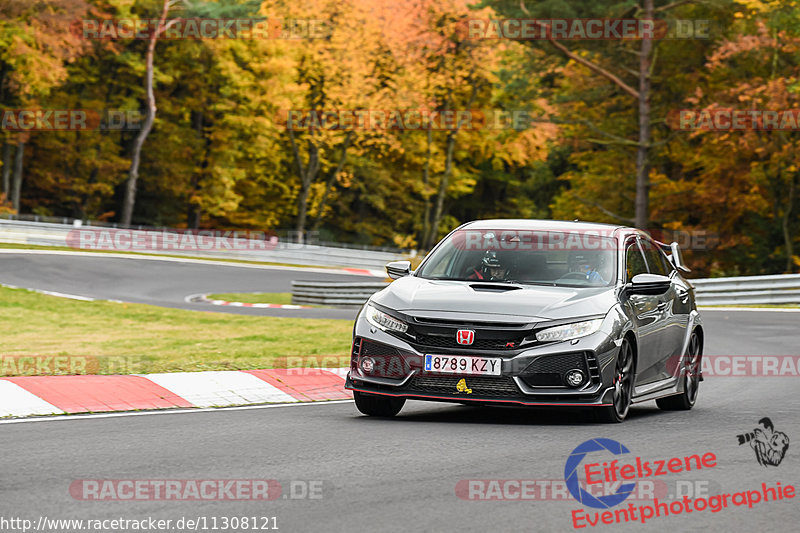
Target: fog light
<point>368,365</point>
<point>574,378</point>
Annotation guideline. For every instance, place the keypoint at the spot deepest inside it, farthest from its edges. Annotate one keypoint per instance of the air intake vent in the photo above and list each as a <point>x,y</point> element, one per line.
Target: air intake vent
<point>486,287</point>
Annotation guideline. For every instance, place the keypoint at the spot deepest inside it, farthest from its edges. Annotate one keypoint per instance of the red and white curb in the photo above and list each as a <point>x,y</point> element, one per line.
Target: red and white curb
<point>204,299</point>
<point>57,395</point>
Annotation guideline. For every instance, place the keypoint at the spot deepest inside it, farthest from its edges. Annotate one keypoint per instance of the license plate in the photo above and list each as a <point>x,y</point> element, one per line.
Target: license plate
<point>463,364</point>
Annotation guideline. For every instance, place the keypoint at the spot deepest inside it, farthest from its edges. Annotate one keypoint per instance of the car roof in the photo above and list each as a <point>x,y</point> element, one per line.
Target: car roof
<point>543,225</point>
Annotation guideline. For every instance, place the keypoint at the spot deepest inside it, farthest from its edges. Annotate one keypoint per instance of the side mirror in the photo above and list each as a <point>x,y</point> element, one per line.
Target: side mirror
<point>649,284</point>
<point>398,269</point>
<point>676,258</point>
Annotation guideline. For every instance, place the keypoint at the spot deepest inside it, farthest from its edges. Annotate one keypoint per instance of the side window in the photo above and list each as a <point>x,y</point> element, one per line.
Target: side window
<point>655,259</point>
<point>634,261</point>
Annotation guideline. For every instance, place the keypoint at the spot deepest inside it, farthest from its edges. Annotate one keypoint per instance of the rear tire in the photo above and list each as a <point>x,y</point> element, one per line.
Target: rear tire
<point>374,405</point>
<point>691,380</point>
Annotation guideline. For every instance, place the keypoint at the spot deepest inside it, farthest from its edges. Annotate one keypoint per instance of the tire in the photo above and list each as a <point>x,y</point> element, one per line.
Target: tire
<point>691,380</point>
<point>624,373</point>
<point>374,405</point>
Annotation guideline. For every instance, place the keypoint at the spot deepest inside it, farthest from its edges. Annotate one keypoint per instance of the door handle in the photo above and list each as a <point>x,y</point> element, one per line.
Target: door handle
<point>662,306</point>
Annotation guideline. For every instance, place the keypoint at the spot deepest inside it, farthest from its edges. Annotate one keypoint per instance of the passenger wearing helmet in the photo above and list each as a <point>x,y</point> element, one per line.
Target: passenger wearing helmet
<point>489,269</point>
<point>586,264</point>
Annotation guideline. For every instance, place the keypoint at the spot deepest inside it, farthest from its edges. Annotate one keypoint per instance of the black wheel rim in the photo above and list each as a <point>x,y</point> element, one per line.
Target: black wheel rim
<point>692,368</point>
<point>623,380</point>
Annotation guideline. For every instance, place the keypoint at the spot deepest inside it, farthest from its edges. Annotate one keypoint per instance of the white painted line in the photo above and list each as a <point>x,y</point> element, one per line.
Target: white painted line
<point>68,417</point>
<point>755,309</point>
<point>141,257</point>
<point>16,401</point>
<point>64,295</point>
<point>219,388</point>
<point>52,293</point>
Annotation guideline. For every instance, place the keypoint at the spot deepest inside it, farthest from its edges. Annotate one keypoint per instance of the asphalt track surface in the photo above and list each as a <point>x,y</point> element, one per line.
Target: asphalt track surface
<point>401,474</point>
<point>165,283</point>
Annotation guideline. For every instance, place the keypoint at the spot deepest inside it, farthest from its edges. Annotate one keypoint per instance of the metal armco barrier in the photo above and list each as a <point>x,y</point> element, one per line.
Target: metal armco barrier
<point>334,293</point>
<point>49,234</point>
<point>744,290</point>
<point>748,290</point>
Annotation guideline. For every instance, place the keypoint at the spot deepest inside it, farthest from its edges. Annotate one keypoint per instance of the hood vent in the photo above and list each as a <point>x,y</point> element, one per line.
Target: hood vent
<point>494,287</point>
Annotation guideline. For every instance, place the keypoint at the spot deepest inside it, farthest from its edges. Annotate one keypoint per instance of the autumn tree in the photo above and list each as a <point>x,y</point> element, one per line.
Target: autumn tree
<point>36,45</point>
<point>166,19</point>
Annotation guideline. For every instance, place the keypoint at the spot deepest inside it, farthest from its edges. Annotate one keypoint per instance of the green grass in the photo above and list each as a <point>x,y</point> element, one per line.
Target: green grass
<point>137,338</point>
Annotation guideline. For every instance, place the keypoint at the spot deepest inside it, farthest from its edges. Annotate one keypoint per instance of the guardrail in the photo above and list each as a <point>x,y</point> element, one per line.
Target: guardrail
<point>54,234</point>
<point>748,290</point>
<point>744,290</point>
<point>335,293</point>
<point>753,290</point>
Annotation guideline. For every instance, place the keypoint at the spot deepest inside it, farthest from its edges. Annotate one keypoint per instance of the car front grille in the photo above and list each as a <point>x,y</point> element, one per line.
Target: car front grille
<point>480,386</point>
<point>449,341</point>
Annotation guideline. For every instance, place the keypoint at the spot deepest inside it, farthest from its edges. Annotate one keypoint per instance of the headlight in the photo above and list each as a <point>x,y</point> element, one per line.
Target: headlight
<point>381,320</point>
<point>569,331</point>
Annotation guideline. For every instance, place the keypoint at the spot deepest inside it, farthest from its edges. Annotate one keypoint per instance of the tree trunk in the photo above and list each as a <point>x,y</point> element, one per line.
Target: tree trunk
<point>332,180</point>
<point>307,176</point>
<point>426,178</point>
<point>787,233</point>
<point>17,184</point>
<point>133,174</point>
<point>305,189</point>
<point>642,160</point>
<point>194,212</point>
<point>450,145</point>
<point>7,169</point>
<point>443,183</point>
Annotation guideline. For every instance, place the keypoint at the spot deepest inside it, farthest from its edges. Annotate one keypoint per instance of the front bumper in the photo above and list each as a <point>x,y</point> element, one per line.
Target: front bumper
<point>400,372</point>
<point>509,398</point>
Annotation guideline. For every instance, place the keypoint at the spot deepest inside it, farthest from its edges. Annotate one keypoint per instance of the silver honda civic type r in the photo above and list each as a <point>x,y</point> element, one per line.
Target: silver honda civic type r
<point>532,313</point>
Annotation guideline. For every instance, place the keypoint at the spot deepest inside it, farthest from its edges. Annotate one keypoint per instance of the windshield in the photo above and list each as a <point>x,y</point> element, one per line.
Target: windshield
<point>556,258</point>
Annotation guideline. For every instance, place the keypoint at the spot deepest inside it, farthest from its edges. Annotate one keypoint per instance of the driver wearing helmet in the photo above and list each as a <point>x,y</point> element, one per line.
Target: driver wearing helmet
<point>586,264</point>
<point>489,269</point>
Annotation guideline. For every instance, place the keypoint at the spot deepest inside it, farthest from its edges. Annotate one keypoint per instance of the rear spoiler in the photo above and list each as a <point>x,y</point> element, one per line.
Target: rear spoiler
<point>673,252</point>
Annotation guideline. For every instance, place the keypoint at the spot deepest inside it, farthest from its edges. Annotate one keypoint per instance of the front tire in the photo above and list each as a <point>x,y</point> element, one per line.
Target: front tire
<point>374,405</point>
<point>623,387</point>
<point>691,380</point>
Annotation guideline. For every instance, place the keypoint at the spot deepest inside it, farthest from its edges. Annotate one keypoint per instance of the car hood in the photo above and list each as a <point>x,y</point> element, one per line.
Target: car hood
<point>464,300</point>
